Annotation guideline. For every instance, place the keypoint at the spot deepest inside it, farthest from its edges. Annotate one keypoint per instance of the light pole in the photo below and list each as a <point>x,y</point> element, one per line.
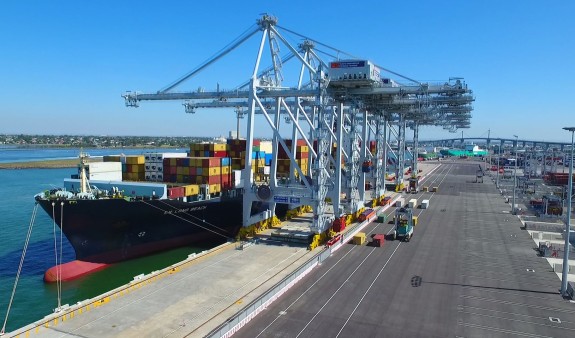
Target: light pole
<point>513,211</point>
<point>568,222</point>
<point>498,157</point>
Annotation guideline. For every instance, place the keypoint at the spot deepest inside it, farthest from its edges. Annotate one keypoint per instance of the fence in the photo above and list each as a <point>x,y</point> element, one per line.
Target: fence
<point>237,321</point>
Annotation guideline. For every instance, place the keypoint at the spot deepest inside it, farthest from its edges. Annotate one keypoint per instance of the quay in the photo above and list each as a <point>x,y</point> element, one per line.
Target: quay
<point>470,270</point>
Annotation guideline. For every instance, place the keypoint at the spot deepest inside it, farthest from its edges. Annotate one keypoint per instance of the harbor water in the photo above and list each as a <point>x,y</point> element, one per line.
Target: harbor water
<point>34,299</point>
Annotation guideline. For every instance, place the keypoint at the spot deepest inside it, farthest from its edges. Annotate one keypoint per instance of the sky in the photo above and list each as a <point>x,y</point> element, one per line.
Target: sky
<point>65,64</point>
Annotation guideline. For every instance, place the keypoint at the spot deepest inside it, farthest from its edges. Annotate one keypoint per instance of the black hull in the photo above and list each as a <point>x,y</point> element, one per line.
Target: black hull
<point>114,230</point>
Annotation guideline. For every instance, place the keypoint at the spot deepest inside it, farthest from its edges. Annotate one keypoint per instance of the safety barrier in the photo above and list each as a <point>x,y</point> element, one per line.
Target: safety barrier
<point>241,318</point>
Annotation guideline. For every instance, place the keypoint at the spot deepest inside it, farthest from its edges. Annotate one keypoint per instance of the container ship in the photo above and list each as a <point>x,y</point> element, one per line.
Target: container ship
<point>131,206</point>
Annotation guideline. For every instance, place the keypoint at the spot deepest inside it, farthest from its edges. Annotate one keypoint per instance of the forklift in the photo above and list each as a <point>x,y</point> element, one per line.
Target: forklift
<point>403,224</point>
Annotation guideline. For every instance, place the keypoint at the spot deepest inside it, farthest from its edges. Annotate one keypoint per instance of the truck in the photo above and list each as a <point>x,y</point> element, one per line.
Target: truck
<point>404,224</point>
<point>413,186</point>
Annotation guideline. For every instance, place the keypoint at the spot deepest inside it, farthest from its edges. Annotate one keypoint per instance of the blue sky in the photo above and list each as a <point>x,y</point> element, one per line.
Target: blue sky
<point>64,64</point>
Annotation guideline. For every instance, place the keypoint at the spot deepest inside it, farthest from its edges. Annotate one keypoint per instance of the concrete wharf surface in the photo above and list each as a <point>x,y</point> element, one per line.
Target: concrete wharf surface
<point>469,271</point>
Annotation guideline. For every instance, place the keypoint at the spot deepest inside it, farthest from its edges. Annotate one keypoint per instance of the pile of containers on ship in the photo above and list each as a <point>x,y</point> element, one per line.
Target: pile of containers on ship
<point>261,156</point>
<point>301,156</point>
<point>215,165</point>
<point>133,166</point>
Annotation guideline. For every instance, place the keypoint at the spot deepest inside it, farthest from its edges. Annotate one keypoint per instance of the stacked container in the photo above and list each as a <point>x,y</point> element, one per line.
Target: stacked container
<point>301,157</point>
<point>104,171</point>
<point>237,151</point>
<point>214,171</point>
<point>154,165</point>
<point>209,150</point>
<point>132,166</point>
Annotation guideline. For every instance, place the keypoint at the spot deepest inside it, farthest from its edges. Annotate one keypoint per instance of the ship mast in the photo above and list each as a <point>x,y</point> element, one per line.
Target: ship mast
<point>84,188</point>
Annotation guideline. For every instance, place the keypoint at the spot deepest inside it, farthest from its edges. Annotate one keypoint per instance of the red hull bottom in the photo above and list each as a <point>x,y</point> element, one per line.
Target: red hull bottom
<point>72,270</point>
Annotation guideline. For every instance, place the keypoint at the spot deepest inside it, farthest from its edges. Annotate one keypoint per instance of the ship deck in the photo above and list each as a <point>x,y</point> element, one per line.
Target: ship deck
<point>470,270</point>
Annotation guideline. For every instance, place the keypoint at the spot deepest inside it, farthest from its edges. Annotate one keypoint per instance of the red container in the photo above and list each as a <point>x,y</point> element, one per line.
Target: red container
<point>176,192</point>
<point>300,156</point>
<point>334,240</point>
<point>220,153</point>
<point>378,240</point>
<point>212,179</point>
<point>338,224</point>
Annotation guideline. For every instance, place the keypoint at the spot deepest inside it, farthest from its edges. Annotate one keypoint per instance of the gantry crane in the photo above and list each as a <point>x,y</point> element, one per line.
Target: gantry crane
<point>331,103</point>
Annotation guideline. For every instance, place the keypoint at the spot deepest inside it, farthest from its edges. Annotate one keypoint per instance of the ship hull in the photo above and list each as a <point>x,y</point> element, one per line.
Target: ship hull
<point>114,230</point>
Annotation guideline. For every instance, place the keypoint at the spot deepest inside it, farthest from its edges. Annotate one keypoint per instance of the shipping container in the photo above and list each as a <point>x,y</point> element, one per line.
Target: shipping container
<point>366,215</point>
<point>359,238</point>
<point>412,203</point>
<point>191,189</point>
<point>176,192</point>
<point>135,159</point>
<point>424,204</point>
<point>382,218</point>
<point>378,240</point>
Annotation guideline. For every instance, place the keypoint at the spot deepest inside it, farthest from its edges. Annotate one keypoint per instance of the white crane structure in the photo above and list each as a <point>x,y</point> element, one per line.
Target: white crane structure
<point>345,103</point>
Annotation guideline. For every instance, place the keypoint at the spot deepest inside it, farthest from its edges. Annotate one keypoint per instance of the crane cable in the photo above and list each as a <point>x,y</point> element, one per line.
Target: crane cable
<point>26,242</point>
<point>197,218</point>
<point>253,29</point>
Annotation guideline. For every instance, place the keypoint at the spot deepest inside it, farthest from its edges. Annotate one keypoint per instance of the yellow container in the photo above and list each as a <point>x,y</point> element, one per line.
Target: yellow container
<point>215,188</point>
<point>136,168</point>
<point>180,171</point>
<point>414,218</point>
<point>214,171</point>
<point>219,147</point>
<point>173,162</point>
<point>359,238</point>
<point>226,170</point>
<point>134,159</point>
<point>192,189</point>
<point>180,178</point>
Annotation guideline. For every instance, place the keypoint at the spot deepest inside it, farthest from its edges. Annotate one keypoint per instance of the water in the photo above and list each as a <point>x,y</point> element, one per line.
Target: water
<point>33,298</point>
<point>16,154</point>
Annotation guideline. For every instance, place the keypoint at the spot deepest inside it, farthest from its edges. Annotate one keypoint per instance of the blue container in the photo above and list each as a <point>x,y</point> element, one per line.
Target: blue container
<point>225,161</point>
<point>199,171</point>
<point>258,154</point>
<point>186,162</point>
<point>268,159</point>
<point>206,153</point>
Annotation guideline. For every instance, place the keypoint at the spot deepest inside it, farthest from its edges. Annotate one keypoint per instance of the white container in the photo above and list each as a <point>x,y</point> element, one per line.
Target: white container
<point>98,167</point>
<point>399,202</point>
<point>413,203</point>
<point>106,176</point>
<point>266,146</point>
<point>424,204</point>
<point>237,174</point>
